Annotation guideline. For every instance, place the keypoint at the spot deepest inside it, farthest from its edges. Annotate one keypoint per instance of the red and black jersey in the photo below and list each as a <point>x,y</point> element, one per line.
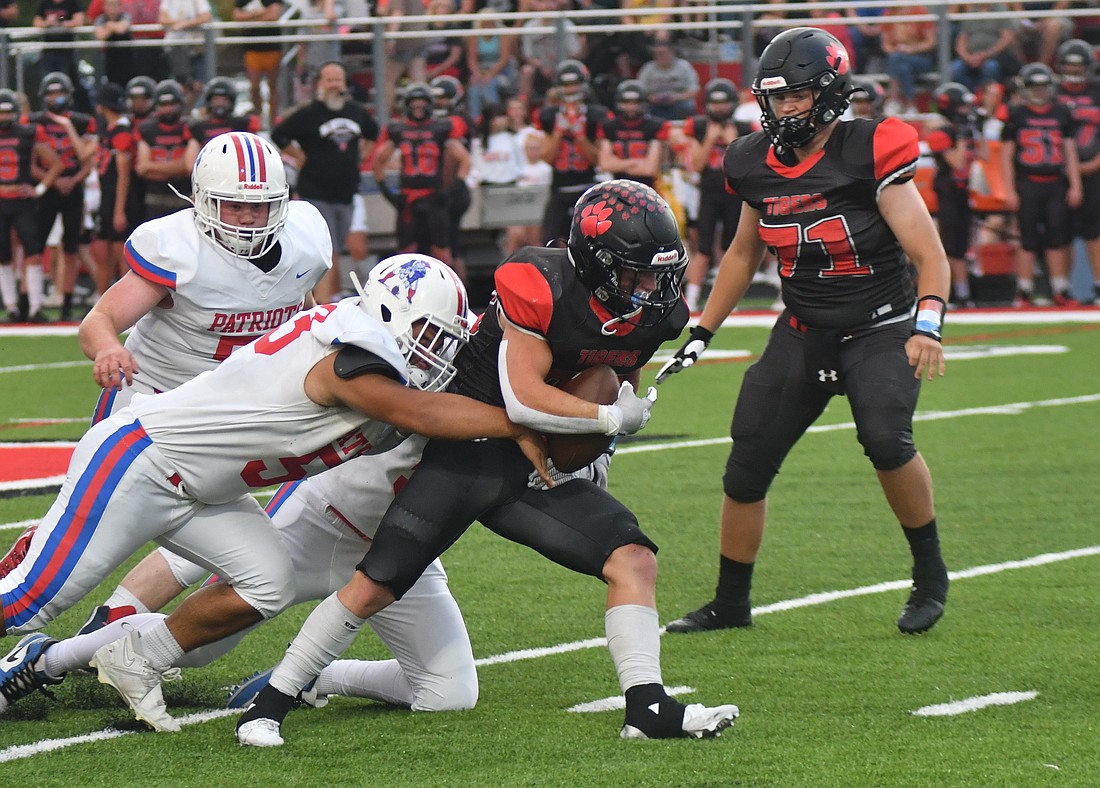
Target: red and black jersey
<point>1038,133</point>
<point>206,128</point>
<point>539,291</point>
<point>166,141</point>
<point>841,265</point>
<point>59,138</point>
<point>1083,100</point>
<point>466,127</point>
<point>944,139</point>
<point>571,166</point>
<point>114,140</point>
<point>16,154</point>
<point>712,179</point>
<point>630,138</point>
<point>422,147</point>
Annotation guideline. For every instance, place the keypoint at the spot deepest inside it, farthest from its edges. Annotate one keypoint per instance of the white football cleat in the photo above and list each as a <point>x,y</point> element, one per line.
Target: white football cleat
<point>699,722</point>
<point>261,732</point>
<point>137,681</point>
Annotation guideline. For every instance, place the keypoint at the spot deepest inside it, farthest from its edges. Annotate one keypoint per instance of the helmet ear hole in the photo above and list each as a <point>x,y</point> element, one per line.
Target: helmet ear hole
<point>386,314</point>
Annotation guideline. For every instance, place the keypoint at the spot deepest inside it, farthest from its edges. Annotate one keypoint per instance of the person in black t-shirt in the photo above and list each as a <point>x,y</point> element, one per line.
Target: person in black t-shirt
<point>836,203</point>
<point>329,137</point>
<point>57,18</point>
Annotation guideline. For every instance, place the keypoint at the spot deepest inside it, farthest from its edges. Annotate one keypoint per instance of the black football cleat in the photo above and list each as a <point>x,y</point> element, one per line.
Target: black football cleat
<point>711,616</point>
<point>926,601</point>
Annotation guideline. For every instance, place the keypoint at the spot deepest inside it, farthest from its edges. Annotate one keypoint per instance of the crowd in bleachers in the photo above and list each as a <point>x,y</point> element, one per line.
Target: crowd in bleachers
<point>510,99</point>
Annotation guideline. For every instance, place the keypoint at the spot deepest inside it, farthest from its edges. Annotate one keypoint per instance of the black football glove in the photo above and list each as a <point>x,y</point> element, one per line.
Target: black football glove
<point>688,354</point>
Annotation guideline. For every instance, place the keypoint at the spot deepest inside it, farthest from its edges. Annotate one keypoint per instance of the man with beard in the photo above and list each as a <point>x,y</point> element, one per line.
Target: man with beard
<point>329,138</point>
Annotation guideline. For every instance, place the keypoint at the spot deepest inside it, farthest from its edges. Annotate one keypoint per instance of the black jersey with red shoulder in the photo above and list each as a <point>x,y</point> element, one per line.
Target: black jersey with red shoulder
<point>465,127</point>
<point>205,129</point>
<point>944,139</point>
<point>114,140</point>
<point>167,142</point>
<point>630,138</point>
<point>422,147</point>
<point>16,154</point>
<point>1038,133</point>
<point>1083,100</point>
<point>538,290</point>
<point>60,140</point>
<point>840,263</point>
<point>712,177</point>
<point>571,166</point>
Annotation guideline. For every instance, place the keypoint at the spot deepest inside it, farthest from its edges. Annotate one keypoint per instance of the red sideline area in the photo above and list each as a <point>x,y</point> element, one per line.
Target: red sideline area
<point>21,462</point>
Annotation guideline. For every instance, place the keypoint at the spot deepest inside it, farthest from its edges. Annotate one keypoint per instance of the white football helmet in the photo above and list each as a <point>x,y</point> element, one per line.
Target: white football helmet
<point>423,304</point>
<point>239,167</point>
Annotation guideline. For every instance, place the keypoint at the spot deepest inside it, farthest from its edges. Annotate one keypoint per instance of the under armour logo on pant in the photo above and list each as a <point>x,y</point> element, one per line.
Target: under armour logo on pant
<point>824,375</point>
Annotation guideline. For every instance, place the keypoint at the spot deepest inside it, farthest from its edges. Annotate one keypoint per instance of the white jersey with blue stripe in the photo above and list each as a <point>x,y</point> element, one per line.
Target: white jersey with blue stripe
<point>248,423</point>
<point>216,302</point>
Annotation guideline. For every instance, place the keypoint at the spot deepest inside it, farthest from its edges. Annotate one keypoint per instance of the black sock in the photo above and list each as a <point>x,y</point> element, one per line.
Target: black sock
<point>24,305</point>
<point>650,709</point>
<point>67,302</point>
<point>924,541</point>
<point>270,704</point>
<point>734,582</point>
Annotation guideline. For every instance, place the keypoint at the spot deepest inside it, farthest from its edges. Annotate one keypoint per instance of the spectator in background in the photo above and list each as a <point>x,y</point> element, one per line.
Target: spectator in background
<point>540,52</point>
<point>670,82</point>
<point>867,39</point>
<point>183,19</point>
<point>57,18</point>
<point>9,13</point>
<point>261,59</point>
<point>1041,35</point>
<point>491,62</point>
<point>909,47</point>
<point>148,60</point>
<point>405,56</point>
<point>329,138</point>
<point>985,49</point>
<point>444,53</point>
<point>111,26</point>
<point>314,54</point>
<point>495,159</point>
<point>534,173</point>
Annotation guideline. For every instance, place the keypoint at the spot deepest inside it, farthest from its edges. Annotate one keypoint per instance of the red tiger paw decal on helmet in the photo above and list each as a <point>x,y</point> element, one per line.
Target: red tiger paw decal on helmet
<point>838,58</point>
<point>594,219</point>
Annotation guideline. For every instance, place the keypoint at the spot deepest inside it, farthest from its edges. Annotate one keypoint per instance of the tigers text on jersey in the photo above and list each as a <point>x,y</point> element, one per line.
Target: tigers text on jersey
<point>840,264</point>
<point>539,292</point>
<point>248,423</point>
<point>216,302</point>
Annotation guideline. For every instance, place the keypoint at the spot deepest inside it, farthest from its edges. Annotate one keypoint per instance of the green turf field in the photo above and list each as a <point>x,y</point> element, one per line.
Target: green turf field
<point>826,685</point>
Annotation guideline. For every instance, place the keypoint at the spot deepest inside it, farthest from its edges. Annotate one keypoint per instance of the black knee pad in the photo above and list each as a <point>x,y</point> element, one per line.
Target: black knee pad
<point>888,451</point>
<point>396,557</point>
<point>746,482</point>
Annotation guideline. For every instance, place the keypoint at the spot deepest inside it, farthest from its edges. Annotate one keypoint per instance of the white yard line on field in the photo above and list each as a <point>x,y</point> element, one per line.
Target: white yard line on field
<point>957,707</point>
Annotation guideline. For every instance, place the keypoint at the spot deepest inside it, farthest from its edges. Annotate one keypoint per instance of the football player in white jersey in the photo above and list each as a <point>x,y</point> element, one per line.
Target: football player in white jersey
<point>207,279</point>
<point>177,467</point>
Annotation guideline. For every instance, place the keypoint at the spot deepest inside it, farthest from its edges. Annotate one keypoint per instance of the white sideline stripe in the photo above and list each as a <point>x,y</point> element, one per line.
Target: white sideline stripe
<point>973,704</point>
<point>49,365</point>
<point>22,525</point>
<point>48,745</point>
<point>619,702</point>
<point>1009,409</point>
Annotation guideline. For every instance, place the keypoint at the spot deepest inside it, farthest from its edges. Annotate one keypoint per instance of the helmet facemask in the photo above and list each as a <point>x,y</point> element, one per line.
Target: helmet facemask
<point>796,131</point>
<point>422,304</point>
<point>640,293</point>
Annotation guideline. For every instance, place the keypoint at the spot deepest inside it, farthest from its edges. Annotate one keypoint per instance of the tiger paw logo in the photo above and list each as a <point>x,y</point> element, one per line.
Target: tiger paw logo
<point>838,58</point>
<point>594,219</point>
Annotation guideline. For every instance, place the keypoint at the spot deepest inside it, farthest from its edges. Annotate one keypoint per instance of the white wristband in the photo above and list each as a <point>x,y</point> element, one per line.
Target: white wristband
<point>610,418</point>
<point>39,189</point>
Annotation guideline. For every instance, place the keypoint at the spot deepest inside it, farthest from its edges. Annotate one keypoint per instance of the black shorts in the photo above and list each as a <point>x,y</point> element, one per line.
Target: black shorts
<point>558,217</point>
<point>954,217</point>
<point>715,207</point>
<point>105,218</point>
<point>575,524</point>
<point>459,204</point>
<point>425,224</point>
<point>1043,216</point>
<point>71,209</point>
<point>22,215</point>
<point>1086,217</point>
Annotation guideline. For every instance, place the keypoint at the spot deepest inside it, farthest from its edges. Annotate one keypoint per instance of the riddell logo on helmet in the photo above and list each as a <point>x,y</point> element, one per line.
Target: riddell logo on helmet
<point>671,256</point>
<point>767,83</point>
<point>254,186</point>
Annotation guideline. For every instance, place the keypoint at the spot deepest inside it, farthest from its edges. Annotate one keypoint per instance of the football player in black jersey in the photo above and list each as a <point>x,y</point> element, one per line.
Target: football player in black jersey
<point>1042,182</point>
<point>836,203</point>
<point>612,297</point>
<point>631,141</point>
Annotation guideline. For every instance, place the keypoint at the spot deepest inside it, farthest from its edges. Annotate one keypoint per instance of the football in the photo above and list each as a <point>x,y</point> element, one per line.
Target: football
<point>572,452</point>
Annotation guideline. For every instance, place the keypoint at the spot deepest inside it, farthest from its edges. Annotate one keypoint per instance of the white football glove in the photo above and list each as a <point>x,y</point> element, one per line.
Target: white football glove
<point>688,354</point>
<point>630,411</point>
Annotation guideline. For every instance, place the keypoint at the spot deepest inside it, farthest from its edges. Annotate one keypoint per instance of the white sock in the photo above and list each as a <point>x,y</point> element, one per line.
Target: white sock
<point>122,597</point>
<point>76,652</point>
<point>962,289</point>
<point>692,293</point>
<point>357,678</point>
<point>9,294</point>
<point>1025,285</point>
<point>325,635</point>
<point>634,640</point>
<point>34,279</point>
<point>1059,284</point>
<point>158,646</point>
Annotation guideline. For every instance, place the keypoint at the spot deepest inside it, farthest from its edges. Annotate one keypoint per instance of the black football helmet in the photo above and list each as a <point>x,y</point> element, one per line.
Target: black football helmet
<point>447,95</point>
<point>625,244</point>
<point>955,102</point>
<point>803,58</point>
<point>220,87</point>
<point>572,77</point>
<point>1036,82</point>
<point>168,101</point>
<point>630,98</point>
<point>60,84</point>
<point>1074,59</point>
<point>417,101</point>
<point>869,92</point>
<point>10,108</point>
<point>720,99</point>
